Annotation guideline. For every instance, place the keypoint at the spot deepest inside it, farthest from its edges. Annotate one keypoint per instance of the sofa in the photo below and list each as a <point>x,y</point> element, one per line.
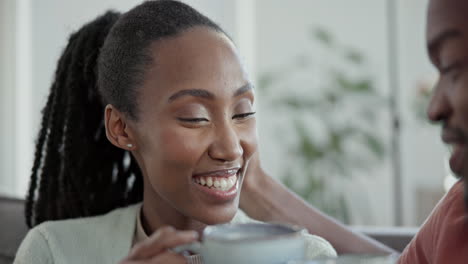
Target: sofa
<point>13,229</point>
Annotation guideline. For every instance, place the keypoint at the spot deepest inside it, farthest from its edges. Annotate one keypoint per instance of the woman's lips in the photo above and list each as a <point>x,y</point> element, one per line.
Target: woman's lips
<point>218,173</point>
<point>219,185</point>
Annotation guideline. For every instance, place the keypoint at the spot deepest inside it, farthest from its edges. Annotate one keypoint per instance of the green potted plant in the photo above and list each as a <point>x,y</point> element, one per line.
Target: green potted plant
<point>336,100</point>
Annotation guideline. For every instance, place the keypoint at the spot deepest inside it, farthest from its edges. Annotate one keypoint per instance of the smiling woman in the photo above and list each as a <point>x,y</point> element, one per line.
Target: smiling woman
<point>164,85</point>
<point>187,133</point>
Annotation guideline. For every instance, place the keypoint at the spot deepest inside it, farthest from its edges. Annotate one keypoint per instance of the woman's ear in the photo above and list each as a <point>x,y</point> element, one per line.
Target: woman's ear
<point>117,129</point>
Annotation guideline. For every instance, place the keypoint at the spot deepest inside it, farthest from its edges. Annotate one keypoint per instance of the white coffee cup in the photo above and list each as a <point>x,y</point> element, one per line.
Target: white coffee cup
<point>353,259</point>
<point>260,243</point>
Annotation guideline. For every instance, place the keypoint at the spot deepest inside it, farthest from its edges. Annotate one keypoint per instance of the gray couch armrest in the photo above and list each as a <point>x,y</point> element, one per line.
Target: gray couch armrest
<point>12,227</point>
<point>395,237</point>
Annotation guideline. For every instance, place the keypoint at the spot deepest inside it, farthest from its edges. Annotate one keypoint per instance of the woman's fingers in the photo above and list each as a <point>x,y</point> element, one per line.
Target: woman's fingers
<point>164,258</point>
<point>163,239</point>
<point>168,258</point>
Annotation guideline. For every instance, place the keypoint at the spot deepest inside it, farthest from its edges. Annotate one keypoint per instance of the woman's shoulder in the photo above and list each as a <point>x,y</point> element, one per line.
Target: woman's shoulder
<point>71,238</point>
<point>85,227</point>
<point>34,249</point>
<point>87,224</point>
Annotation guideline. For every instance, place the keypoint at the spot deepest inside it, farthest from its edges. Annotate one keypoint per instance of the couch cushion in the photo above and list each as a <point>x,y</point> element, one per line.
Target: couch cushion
<point>12,227</point>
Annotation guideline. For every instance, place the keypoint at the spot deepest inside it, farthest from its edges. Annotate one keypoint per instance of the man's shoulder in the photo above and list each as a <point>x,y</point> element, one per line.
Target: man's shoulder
<point>451,212</point>
<point>443,231</point>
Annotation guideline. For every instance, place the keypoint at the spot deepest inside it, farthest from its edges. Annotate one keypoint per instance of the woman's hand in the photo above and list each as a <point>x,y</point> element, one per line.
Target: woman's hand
<point>254,199</point>
<point>254,176</point>
<point>156,249</point>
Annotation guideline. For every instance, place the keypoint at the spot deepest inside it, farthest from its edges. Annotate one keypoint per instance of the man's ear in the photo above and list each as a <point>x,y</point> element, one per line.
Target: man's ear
<point>117,130</point>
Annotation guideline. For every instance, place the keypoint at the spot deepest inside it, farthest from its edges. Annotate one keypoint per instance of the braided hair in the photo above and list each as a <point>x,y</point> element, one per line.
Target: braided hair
<point>77,172</point>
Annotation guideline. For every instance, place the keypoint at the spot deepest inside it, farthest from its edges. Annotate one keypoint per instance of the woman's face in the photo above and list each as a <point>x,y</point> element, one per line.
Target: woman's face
<point>196,128</point>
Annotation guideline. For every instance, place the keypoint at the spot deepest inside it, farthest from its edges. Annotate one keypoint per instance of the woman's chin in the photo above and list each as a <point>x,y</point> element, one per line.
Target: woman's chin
<point>219,216</point>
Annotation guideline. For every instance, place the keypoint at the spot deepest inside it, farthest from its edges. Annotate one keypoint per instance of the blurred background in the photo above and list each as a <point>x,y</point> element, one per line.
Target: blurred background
<point>341,87</point>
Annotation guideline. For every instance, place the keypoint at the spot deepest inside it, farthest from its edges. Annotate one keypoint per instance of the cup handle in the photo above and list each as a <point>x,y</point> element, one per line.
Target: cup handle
<point>194,247</point>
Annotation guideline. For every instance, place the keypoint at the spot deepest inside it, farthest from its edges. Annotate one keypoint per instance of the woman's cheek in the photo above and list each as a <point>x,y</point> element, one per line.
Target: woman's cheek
<point>182,145</point>
<point>249,139</point>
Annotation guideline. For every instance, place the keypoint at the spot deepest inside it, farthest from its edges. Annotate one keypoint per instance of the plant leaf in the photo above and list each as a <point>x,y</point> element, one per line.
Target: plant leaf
<point>355,57</point>
<point>306,146</point>
<point>374,145</point>
<point>323,36</point>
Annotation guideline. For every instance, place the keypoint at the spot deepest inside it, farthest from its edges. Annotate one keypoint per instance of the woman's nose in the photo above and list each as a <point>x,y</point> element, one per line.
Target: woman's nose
<point>226,146</point>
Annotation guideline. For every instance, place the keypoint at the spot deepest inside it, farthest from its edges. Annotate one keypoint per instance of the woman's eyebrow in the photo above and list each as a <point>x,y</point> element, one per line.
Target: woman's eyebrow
<point>245,88</point>
<point>192,92</point>
<point>206,94</point>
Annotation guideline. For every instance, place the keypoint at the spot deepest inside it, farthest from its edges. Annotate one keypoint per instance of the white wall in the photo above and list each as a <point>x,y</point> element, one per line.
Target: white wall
<point>423,153</point>
<point>7,92</point>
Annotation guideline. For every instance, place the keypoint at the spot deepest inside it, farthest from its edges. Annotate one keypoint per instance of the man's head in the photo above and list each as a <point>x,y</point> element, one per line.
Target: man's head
<point>447,43</point>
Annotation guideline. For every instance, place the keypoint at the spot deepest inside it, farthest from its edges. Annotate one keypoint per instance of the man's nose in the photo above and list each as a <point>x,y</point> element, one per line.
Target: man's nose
<point>226,145</point>
<point>439,106</point>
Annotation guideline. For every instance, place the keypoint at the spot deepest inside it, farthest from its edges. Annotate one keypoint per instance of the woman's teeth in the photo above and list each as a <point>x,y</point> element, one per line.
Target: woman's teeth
<point>221,183</point>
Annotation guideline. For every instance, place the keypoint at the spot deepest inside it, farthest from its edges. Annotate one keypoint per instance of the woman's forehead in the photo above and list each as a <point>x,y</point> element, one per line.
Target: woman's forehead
<point>199,58</point>
<point>192,51</point>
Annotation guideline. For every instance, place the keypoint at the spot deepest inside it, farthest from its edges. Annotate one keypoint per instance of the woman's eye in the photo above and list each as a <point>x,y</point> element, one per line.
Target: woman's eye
<point>193,120</point>
<point>244,115</point>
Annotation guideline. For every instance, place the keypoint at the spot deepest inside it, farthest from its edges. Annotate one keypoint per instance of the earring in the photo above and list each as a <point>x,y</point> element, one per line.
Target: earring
<point>130,145</point>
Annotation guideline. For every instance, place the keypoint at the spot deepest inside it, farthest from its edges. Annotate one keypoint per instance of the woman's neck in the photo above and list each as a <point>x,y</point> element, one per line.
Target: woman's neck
<point>157,213</point>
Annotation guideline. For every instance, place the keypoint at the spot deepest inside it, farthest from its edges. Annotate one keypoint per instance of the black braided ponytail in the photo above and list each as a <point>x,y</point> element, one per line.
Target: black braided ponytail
<point>76,171</point>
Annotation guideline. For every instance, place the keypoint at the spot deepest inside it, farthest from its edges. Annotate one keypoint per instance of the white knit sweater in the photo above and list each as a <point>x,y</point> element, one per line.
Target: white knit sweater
<point>105,239</point>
